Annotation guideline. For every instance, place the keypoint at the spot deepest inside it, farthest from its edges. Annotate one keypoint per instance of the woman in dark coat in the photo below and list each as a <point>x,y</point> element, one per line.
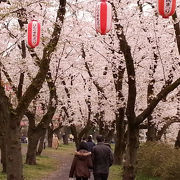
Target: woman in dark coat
<point>81,164</point>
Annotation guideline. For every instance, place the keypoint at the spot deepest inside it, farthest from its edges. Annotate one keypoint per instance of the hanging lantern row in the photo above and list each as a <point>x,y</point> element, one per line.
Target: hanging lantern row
<point>103,17</point>
<point>166,8</point>
<point>34,30</point>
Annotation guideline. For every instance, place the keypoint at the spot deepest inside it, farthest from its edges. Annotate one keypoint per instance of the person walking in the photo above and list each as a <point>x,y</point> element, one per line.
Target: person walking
<point>82,163</point>
<point>55,142</point>
<point>90,143</point>
<point>102,157</point>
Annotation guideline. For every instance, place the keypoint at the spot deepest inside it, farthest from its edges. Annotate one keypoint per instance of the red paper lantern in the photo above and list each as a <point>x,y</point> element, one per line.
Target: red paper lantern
<point>166,8</point>
<point>103,17</point>
<point>34,30</point>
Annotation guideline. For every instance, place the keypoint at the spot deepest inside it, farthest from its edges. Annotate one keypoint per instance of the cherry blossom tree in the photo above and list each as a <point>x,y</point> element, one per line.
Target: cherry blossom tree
<point>14,160</point>
<point>122,80</point>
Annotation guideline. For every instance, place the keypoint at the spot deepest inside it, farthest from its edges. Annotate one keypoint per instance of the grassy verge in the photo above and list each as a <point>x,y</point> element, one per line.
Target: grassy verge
<point>116,173</point>
<point>142,177</point>
<point>45,165</point>
<point>2,176</point>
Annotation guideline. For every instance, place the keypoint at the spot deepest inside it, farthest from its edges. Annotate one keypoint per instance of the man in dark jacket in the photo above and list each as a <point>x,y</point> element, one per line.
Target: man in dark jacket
<point>102,159</point>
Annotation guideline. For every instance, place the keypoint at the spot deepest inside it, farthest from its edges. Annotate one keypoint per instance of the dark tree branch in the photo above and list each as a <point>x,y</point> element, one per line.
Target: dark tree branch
<point>37,82</point>
<point>99,88</point>
<point>9,79</point>
<point>177,30</point>
<point>168,122</point>
<point>20,86</point>
<point>163,93</point>
<point>126,50</point>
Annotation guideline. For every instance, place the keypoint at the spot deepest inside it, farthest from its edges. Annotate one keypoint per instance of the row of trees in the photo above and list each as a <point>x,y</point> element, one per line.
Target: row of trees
<point>120,82</point>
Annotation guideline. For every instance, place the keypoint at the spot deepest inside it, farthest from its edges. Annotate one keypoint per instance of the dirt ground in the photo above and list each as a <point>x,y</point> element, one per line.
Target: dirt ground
<point>63,168</point>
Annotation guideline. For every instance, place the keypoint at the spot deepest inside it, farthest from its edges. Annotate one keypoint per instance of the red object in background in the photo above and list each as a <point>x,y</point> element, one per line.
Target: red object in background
<point>23,123</point>
<point>166,8</point>
<point>103,17</point>
<point>34,30</point>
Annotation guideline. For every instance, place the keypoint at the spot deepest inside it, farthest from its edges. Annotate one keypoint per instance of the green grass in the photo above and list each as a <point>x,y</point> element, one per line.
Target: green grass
<point>142,177</point>
<point>116,174</point>
<point>2,176</point>
<point>70,148</point>
<point>45,165</point>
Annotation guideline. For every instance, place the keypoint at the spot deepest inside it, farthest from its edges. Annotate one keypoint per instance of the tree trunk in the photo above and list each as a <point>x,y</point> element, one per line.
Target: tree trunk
<point>32,147</point>
<point>3,154</point>
<point>14,156</point>
<point>65,135</point>
<point>65,138</point>
<point>13,146</point>
<point>3,129</point>
<point>177,143</point>
<point>4,117</point>
<point>129,167</point>
<point>152,131</point>
<point>41,144</point>
<point>119,150</point>
<point>109,136</point>
<point>50,136</point>
<point>101,127</point>
<point>75,134</point>
<point>120,140</point>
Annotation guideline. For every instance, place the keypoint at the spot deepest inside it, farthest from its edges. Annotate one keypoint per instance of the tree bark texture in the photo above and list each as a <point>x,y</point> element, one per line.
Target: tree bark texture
<point>34,136</point>
<point>65,138</point>
<point>32,147</point>
<point>14,156</point>
<point>65,135</point>
<point>35,133</point>
<point>177,143</point>
<point>13,146</point>
<point>75,134</point>
<point>129,172</point>
<point>3,153</point>
<point>41,144</point>
<point>50,136</point>
<point>120,140</point>
<point>152,130</point>
<point>4,117</point>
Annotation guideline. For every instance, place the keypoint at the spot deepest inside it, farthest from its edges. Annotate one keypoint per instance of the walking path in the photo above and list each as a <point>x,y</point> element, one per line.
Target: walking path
<point>64,164</point>
<point>62,172</point>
